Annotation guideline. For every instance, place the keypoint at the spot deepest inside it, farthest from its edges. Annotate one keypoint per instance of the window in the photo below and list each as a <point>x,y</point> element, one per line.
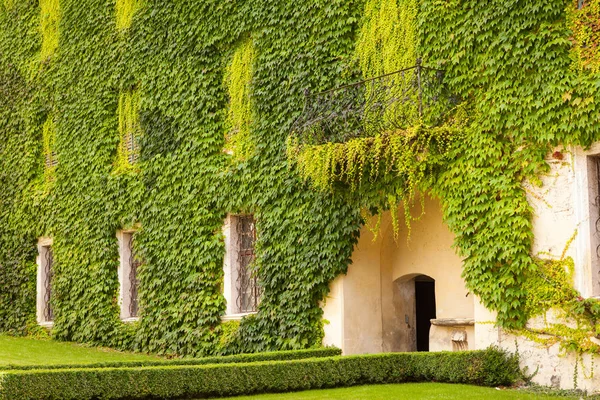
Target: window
<point>130,130</point>
<point>128,276</point>
<point>241,288</point>
<point>49,146</point>
<point>45,262</point>
<point>248,292</point>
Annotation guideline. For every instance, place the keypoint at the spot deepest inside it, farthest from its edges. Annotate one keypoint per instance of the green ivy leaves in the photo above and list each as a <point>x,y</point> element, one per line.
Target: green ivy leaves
<point>510,60</point>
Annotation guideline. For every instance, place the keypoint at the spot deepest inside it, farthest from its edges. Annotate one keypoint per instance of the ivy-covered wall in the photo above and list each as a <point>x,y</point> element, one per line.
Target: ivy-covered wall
<point>194,74</point>
<point>525,76</point>
<point>172,63</point>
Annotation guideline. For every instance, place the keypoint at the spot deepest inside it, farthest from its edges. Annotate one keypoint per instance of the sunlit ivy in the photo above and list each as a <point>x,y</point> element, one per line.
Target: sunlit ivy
<point>130,130</point>
<point>387,41</point>
<point>204,80</point>
<point>8,4</point>
<point>49,22</point>
<point>125,10</point>
<point>586,34</point>
<point>238,80</point>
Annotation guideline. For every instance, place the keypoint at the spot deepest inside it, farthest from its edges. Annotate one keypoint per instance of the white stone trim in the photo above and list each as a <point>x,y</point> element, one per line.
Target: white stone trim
<point>43,244</point>
<point>123,237</point>
<point>229,264</point>
<point>587,264</point>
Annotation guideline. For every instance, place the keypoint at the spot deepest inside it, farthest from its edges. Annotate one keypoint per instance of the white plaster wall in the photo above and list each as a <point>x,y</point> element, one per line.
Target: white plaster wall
<point>364,308</point>
<point>429,252</point>
<point>554,219</point>
<point>548,365</point>
<point>565,210</point>
<point>333,314</point>
<point>362,302</point>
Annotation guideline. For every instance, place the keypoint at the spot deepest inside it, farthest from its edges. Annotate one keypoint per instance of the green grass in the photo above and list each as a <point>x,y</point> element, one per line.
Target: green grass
<point>420,391</point>
<point>26,351</point>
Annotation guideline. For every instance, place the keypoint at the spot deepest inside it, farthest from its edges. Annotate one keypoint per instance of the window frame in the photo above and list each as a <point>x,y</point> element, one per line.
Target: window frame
<point>587,218</point>
<point>44,312</point>
<point>231,267</point>
<point>125,239</point>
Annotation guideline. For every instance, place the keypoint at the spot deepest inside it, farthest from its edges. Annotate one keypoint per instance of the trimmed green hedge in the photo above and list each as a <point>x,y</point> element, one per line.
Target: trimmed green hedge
<point>488,367</point>
<point>239,358</point>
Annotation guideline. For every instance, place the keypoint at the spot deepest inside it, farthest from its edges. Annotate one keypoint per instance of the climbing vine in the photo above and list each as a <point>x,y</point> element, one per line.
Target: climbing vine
<point>573,321</point>
<point>207,72</point>
<point>387,41</point>
<point>187,75</point>
<point>513,123</point>
<point>49,20</point>
<point>586,35</point>
<point>130,130</point>
<point>238,80</point>
<point>125,9</point>
<point>401,161</point>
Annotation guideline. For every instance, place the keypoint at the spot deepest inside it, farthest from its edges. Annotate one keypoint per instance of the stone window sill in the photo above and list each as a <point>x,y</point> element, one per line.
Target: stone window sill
<point>46,324</point>
<point>130,320</point>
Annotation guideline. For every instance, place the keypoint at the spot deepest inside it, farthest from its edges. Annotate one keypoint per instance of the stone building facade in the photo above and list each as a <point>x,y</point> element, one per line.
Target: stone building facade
<point>380,304</point>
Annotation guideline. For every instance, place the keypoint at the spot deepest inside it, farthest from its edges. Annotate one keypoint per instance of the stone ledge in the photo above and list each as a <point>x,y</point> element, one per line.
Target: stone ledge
<point>46,324</point>
<point>453,322</point>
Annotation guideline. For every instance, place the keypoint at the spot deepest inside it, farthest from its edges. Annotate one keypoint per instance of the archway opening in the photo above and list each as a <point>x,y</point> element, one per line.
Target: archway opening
<point>424,309</point>
<point>414,308</point>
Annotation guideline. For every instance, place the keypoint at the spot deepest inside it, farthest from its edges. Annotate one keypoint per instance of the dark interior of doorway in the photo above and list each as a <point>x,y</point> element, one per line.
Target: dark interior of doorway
<point>425,309</point>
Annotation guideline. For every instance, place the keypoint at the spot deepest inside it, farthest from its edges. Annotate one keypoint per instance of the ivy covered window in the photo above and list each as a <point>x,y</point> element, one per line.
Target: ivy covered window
<point>45,314</point>
<point>49,147</point>
<point>242,290</point>
<point>130,130</point>
<point>238,81</point>
<point>128,276</point>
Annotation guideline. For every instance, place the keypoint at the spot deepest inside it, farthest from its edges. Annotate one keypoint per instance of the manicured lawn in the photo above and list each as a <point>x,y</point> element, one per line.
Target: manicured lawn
<point>25,351</point>
<point>420,391</point>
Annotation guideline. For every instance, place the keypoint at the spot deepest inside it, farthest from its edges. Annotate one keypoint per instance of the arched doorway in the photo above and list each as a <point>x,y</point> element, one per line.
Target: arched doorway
<point>414,304</point>
<point>373,308</point>
<point>424,309</point>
